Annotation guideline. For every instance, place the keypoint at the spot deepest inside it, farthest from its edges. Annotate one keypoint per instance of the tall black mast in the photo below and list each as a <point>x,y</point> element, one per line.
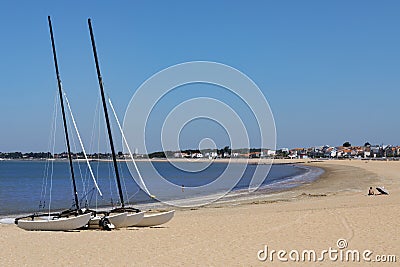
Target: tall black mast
<point>106,115</point>
<point>63,114</point>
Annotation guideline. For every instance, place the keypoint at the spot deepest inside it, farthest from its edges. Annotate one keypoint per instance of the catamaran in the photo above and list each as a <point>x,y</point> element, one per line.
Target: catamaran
<point>70,219</point>
<point>119,217</point>
<point>134,217</point>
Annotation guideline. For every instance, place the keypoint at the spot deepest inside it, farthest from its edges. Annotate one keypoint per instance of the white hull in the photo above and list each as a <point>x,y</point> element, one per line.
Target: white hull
<point>61,224</point>
<point>116,219</point>
<point>156,219</point>
<point>132,219</point>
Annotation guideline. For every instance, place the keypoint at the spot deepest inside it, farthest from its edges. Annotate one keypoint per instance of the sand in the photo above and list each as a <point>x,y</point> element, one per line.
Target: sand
<point>314,216</point>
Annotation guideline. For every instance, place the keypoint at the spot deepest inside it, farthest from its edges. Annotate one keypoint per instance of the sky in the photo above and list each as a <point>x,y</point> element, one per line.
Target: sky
<point>329,69</point>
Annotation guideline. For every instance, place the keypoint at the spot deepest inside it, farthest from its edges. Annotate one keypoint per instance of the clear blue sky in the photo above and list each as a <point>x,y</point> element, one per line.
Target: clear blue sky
<point>329,69</point>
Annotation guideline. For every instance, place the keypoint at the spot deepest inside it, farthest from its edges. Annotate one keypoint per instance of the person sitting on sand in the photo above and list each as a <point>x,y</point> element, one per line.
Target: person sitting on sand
<point>371,191</point>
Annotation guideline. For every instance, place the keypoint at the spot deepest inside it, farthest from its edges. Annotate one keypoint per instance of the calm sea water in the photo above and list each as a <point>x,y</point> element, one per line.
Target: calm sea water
<point>26,186</point>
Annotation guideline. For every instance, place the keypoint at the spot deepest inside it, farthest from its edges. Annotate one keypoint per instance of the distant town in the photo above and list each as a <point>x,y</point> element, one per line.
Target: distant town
<point>367,151</point>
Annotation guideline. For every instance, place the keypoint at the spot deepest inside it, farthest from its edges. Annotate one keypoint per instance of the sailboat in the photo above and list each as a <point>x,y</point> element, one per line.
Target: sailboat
<point>134,217</point>
<point>70,219</point>
<point>122,216</point>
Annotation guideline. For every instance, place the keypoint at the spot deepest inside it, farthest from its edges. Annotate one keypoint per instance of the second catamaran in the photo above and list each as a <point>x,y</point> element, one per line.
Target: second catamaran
<point>122,216</point>
<point>134,217</point>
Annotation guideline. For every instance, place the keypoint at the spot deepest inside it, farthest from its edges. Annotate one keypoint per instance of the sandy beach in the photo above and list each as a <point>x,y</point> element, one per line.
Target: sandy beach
<point>310,217</point>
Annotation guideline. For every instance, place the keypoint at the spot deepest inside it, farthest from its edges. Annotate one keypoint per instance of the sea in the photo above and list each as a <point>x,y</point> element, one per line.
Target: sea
<point>40,186</point>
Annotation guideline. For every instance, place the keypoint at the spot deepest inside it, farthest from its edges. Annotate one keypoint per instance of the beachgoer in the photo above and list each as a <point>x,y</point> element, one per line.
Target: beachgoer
<point>183,188</point>
<point>371,191</point>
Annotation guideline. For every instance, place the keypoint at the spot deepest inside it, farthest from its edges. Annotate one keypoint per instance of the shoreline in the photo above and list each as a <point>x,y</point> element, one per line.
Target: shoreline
<point>194,160</point>
<point>312,216</point>
<point>310,175</point>
<point>309,188</point>
<point>261,195</point>
<point>320,187</point>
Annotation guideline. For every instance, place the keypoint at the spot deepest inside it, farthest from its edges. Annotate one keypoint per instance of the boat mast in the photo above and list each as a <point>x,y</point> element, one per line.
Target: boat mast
<point>63,115</point>
<point>106,115</point>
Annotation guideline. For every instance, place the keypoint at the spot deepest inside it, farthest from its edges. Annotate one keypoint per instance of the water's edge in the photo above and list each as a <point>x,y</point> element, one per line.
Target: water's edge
<point>310,175</point>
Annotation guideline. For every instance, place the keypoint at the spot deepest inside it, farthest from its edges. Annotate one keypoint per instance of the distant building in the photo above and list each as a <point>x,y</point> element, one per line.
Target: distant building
<point>178,155</point>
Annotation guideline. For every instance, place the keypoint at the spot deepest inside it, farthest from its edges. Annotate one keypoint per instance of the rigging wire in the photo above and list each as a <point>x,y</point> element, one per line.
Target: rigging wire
<point>91,149</point>
<point>73,143</point>
<point>75,149</point>
<point>97,119</point>
<point>109,180</point>
<point>110,169</point>
<point>98,144</point>
<point>86,179</point>
<point>52,163</point>
<point>129,150</point>
<point>84,186</point>
<point>110,172</point>
<point>80,141</point>
<point>124,184</point>
<point>134,194</point>
<point>42,202</point>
